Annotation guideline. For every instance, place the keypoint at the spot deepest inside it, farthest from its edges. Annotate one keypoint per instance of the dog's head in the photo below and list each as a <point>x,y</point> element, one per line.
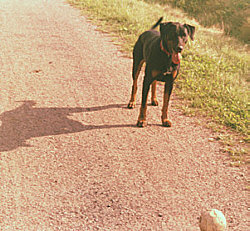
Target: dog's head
<point>174,36</point>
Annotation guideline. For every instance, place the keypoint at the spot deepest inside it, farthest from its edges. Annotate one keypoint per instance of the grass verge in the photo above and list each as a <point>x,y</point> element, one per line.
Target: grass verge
<point>213,79</point>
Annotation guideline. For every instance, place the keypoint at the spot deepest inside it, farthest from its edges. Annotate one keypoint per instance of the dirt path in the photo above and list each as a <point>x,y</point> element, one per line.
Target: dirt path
<point>71,157</point>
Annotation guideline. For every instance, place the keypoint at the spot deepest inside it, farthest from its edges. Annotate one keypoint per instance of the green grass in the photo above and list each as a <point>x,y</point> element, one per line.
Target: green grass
<point>214,72</point>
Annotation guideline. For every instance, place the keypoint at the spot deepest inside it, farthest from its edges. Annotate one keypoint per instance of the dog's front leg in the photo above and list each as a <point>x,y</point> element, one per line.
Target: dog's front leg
<point>167,92</point>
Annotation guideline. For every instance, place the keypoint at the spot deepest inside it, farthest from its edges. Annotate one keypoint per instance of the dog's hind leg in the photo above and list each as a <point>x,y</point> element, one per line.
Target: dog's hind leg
<point>146,85</point>
<point>137,64</point>
<point>154,101</point>
<point>167,92</point>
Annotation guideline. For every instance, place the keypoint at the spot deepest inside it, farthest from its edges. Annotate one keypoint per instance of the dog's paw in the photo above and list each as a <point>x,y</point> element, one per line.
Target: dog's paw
<point>141,123</point>
<point>166,123</point>
<point>131,105</point>
<point>154,102</point>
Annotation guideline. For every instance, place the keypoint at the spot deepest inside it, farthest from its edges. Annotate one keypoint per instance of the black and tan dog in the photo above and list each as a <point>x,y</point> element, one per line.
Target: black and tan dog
<point>161,51</point>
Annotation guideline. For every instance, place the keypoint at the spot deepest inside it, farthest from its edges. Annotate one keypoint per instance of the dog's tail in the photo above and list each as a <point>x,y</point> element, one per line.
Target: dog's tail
<point>156,24</point>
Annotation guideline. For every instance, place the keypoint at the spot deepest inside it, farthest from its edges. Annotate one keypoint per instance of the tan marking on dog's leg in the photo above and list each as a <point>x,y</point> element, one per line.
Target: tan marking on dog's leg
<point>164,117</point>
<point>167,92</point>
<point>141,122</point>
<point>154,101</point>
<point>153,88</point>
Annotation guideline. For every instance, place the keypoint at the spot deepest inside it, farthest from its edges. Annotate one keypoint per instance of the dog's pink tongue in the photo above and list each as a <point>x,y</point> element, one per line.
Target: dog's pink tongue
<point>176,58</point>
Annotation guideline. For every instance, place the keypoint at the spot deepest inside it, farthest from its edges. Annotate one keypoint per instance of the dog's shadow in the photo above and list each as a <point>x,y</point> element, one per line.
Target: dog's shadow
<point>27,121</point>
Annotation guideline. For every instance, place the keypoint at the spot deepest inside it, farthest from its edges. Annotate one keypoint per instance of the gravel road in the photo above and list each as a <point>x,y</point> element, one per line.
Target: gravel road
<point>71,157</point>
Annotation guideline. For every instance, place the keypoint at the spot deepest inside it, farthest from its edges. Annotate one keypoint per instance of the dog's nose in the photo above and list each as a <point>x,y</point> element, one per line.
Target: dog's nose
<point>179,48</point>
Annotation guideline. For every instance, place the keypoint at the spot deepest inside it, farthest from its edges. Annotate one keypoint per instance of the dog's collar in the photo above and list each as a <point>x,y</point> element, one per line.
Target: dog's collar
<point>175,56</point>
<point>163,49</point>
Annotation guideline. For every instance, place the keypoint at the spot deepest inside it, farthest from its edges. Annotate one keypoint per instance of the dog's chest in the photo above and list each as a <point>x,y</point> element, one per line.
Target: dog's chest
<point>162,62</point>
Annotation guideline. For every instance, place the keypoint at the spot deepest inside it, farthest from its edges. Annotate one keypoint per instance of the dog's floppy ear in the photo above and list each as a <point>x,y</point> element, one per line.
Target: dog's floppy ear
<point>191,31</point>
